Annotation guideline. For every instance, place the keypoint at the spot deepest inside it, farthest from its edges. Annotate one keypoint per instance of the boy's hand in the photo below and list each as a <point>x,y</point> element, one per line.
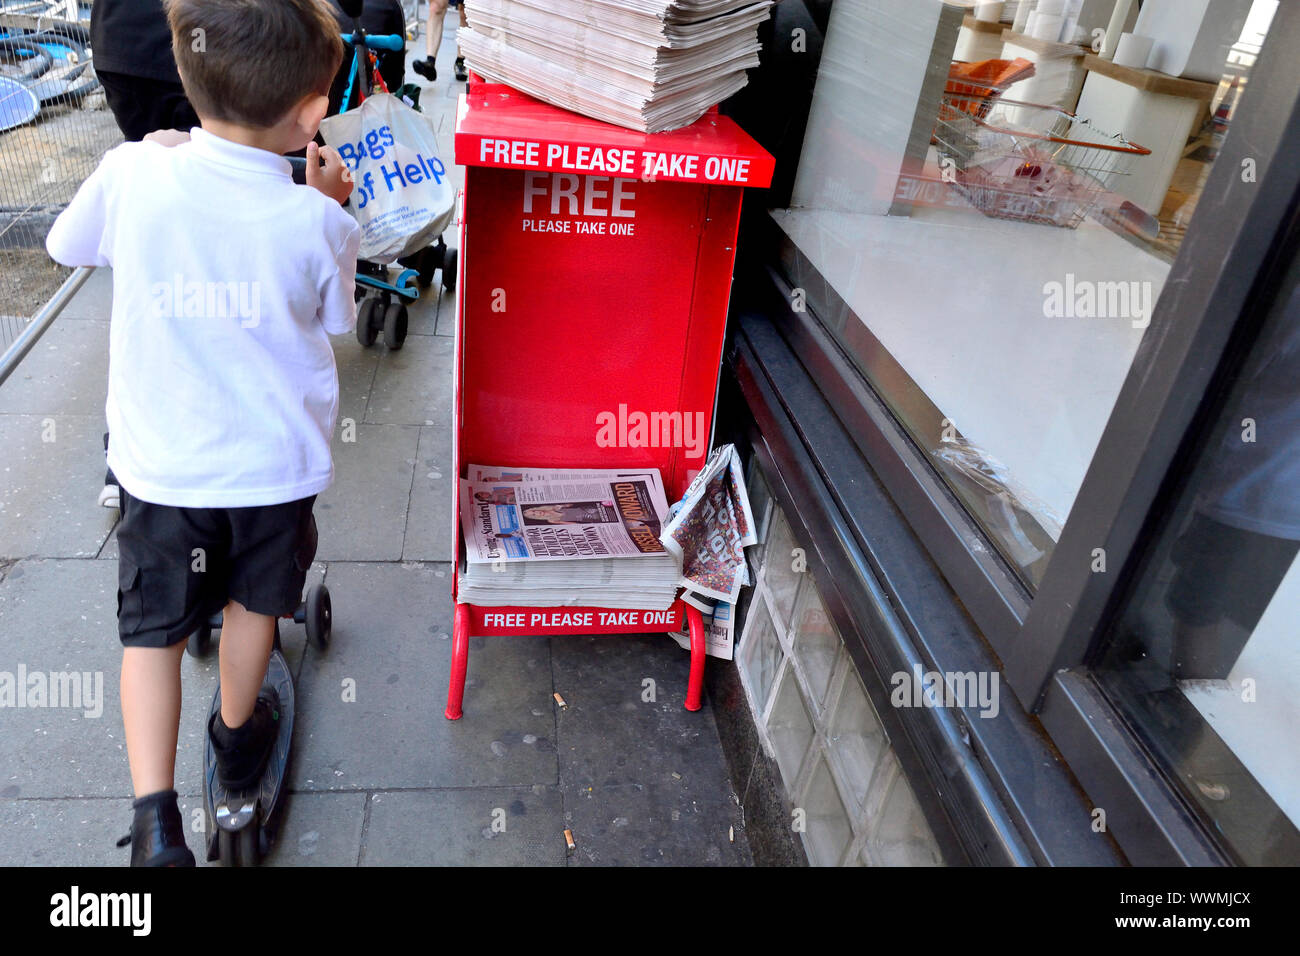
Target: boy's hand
<point>334,179</point>
<point>168,137</point>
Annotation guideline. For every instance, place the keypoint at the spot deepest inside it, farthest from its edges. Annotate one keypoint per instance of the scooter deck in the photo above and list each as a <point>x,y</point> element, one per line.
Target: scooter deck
<point>233,810</point>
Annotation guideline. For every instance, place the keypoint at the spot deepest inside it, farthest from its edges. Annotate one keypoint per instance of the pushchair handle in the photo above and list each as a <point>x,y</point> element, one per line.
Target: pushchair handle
<point>379,41</point>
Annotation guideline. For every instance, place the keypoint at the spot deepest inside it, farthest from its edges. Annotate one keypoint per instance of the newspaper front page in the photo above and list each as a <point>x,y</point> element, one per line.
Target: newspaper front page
<point>562,519</point>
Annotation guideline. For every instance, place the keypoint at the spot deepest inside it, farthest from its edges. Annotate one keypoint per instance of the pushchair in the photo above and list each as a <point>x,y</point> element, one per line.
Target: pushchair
<point>379,59</point>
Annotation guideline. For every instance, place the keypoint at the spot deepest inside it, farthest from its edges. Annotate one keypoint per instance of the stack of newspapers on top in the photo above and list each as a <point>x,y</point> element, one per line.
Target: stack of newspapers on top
<point>649,65</point>
<point>544,537</point>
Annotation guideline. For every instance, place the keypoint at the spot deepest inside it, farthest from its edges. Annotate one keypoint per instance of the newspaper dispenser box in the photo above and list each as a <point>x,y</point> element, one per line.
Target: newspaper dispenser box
<point>595,270</point>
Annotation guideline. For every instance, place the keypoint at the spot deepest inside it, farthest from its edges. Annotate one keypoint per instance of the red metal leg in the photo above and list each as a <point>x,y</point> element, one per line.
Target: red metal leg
<point>695,689</point>
<point>459,662</point>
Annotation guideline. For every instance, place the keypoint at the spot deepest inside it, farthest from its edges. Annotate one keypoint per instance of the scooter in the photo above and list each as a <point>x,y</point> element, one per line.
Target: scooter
<point>242,824</point>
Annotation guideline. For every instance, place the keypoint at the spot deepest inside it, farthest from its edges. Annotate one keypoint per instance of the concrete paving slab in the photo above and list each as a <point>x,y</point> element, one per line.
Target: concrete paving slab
<point>60,617</point>
<point>414,384</point>
<point>109,550</point>
<point>94,300</point>
<point>655,825</point>
<point>320,829</point>
<point>372,711</point>
<point>422,314</point>
<point>50,476</point>
<point>356,367</point>
<point>66,373</point>
<point>429,518</point>
<point>480,827</point>
<point>362,516</point>
<point>68,832</point>
<point>611,734</point>
<point>447,314</point>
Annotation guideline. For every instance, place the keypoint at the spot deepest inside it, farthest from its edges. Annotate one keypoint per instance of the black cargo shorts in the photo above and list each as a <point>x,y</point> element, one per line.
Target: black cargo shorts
<point>179,566</point>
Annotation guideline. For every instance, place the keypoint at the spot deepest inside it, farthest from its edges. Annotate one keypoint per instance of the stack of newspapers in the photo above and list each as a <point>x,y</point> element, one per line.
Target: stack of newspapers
<point>543,537</point>
<point>649,65</point>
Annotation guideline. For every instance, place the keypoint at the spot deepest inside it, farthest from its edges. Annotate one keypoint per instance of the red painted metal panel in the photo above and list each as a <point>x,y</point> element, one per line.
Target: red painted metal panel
<point>508,621</point>
<point>501,127</point>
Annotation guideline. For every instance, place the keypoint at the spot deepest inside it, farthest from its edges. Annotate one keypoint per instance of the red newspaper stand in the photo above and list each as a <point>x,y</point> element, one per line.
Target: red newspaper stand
<point>595,269</point>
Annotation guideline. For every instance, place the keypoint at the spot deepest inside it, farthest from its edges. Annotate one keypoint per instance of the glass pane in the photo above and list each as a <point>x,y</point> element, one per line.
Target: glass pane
<point>901,836</point>
<point>761,654</point>
<point>984,216</point>
<point>760,497</point>
<point>779,567</point>
<point>816,641</point>
<point>857,738</point>
<point>1204,657</point>
<point>829,831</point>
<point>790,729</point>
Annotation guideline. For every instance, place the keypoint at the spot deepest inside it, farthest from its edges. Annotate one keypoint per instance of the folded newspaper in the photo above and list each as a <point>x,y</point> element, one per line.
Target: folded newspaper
<point>649,65</point>
<point>709,529</point>
<point>553,537</point>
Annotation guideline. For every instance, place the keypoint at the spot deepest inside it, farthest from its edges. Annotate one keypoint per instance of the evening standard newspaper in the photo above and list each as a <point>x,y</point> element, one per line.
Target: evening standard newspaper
<point>562,518</point>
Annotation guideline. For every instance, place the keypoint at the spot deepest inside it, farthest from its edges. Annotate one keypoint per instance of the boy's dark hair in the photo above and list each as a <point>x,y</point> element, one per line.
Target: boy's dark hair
<point>251,61</point>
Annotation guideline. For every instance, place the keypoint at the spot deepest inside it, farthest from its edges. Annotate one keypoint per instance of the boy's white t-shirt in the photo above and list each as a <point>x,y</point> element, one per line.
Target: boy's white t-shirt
<point>227,280</point>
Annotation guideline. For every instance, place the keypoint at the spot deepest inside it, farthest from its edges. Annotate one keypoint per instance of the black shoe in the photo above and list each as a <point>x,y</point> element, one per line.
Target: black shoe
<point>157,832</point>
<point>462,74</point>
<point>425,68</point>
<point>242,753</point>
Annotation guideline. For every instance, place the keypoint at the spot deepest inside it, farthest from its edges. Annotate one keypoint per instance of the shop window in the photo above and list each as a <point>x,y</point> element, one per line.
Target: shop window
<point>989,261</point>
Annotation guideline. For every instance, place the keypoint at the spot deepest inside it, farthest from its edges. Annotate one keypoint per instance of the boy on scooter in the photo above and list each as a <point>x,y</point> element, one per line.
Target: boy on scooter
<point>227,281</point>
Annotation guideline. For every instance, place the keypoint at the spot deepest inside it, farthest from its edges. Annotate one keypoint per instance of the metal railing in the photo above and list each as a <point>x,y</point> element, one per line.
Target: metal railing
<point>41,321</point>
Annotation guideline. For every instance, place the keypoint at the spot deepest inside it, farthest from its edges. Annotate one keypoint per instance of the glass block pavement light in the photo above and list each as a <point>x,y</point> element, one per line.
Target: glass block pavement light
<point>852,804</point>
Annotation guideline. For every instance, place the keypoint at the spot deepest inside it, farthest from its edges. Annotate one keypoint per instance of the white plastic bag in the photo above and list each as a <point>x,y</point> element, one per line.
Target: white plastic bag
<point>402,197</point>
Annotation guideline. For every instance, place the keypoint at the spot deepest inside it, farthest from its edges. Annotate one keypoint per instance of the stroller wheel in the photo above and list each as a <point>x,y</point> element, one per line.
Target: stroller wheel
<point>395,325</point>
<point>367,321</point>
<point>449,270</point>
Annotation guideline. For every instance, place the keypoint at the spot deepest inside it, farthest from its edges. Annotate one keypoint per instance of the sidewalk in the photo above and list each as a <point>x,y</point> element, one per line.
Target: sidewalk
<point>382,779</point>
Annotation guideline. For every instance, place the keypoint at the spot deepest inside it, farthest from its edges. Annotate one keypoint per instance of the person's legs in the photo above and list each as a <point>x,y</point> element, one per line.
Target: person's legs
<point>437,16</point>
<point>246,640</point>
<point>162,597</point>
<point>432,40</point>
<point>461,73</point>
<point>151,714</point>
<point>271,548</point>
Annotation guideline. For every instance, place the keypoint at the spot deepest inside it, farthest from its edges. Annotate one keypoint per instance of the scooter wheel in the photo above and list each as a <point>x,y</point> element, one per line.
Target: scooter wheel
<point>395,325</point>
<point>240,848</point>
<point>367,321</point>
<point>319,616</point>
<point>449,270</point>
<point>200,642</point>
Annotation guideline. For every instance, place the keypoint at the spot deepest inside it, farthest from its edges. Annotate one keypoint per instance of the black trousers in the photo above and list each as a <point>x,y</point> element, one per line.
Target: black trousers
<point>142,105</point>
